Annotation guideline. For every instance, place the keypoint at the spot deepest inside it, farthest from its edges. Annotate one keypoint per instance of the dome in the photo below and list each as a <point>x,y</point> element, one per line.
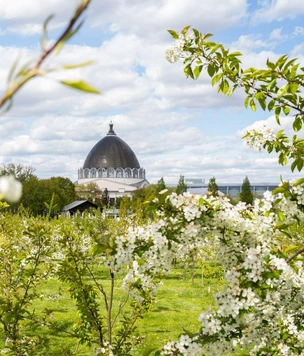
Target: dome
<point>111,151</point>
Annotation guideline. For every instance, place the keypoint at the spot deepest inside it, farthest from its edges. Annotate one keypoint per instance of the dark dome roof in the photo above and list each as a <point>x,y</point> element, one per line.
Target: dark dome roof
<point>111,151</point>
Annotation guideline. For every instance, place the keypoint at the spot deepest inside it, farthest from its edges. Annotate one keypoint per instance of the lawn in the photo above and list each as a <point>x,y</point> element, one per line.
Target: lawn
<point>176,307</point>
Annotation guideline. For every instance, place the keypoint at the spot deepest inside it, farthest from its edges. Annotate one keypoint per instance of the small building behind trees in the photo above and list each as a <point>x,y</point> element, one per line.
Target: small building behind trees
<point>78,206</point>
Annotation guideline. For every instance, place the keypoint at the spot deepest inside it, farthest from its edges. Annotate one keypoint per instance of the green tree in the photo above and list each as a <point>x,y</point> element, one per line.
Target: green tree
<point>246,194</point>
<point>21,172</point>
<point>90,192</point>
<point>160,185</point>
<point>105,198</point>
<point>213,187</point>
<point>37,193</point>
<point>181,186</point>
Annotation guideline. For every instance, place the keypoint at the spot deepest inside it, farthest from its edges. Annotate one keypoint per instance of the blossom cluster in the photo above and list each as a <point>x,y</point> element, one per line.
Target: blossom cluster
<point>177,51</point>
<point>258,138</point>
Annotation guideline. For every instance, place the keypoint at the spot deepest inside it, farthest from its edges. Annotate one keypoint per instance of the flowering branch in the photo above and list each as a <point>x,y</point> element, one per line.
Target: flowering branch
<point>28,73</point>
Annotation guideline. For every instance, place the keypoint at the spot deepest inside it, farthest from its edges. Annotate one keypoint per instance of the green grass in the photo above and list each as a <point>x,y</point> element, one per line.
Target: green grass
<point>176,307</point>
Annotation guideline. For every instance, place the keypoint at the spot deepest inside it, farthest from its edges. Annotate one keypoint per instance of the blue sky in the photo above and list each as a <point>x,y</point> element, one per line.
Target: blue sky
<point>174,125</point>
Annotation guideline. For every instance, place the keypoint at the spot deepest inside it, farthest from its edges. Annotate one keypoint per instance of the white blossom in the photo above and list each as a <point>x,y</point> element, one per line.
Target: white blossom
<point>10,189</point>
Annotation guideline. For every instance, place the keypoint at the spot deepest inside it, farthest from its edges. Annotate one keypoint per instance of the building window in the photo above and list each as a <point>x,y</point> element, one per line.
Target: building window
<point>128,173</point>
<point>119,173</point>
<point>111,172</point>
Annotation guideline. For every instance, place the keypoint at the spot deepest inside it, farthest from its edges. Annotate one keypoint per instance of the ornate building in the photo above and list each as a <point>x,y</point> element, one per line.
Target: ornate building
<point>113,165</point>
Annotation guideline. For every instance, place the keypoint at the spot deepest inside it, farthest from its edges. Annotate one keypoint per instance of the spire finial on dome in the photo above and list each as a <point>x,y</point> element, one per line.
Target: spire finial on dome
<point>111,131</point>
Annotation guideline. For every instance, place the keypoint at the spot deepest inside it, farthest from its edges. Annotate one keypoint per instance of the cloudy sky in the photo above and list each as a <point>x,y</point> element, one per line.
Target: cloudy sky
<point>174,125</point>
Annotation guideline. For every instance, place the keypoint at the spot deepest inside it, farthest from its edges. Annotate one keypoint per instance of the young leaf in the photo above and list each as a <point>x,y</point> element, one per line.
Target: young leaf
<point>80,85</point>
<point>78,65</point>
<point>185,29</point>
<point>173,34</point>
<point>188,71</point>
<point>216,78</point>
<point>299,182</point>
<point>286,110</point>
<point>207,36</point>
<point>278,190</point>
<point>197,71</point>
<point>280,215</point>
<point>44,31</point>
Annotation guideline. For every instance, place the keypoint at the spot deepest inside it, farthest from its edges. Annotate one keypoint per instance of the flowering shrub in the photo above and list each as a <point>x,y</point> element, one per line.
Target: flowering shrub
<point>261,309</point>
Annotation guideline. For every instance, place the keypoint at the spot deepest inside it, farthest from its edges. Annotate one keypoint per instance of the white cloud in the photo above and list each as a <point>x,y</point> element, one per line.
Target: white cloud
<point>278,10</point>
<point>251,43</point>
<point>162,115</point>
<point>147,19</point>
<point>277,35</point>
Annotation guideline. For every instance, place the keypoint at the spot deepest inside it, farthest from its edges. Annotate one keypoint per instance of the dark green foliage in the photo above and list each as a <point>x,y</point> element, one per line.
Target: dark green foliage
<point>90,192</point>
<point>181,186</point>
<point>105,199</point>
<point>246,194</point>
<point>161,185</point>
<point>39,192</point>
<point>213,187</point>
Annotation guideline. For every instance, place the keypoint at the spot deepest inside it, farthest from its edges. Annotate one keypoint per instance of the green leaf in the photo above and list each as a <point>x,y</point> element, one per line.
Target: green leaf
<point>278,190</point>
<point>252,105</point>
<point>283,90</point>
<point>196,32</point>
<point>283,159</point>
<point>78,65</point>
<point>299,182</point>
<point>224,87</point>
<point>293,88</point>
<point>271,105</point>
<point>150,350</point>
<point>286,110</point>
<point>247,101</point>
<point>262,102</point>
<point>294,71</point>
<point>277,112</point>
<point>188,71</point>
<point>197,71</point>
<point>216,78</point>
<point>280,134</point>
<point>211,70</point>
<point>207,35</point>
<point>281,61</point>
<point>297,124</point>
<point>272,84</point>
<point>98,249</point>
<point>185,29</point>
<point>235,54</point>
<point>80,85</point>
<point>300,164</point>
<point>69,35</point>
<point>280,215</point>
<point>294,164</point>
<point>173,34</point>
<point>13,68</point>
<point>290,248</point>
<point>43,40</point>
<point>270,64</point>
